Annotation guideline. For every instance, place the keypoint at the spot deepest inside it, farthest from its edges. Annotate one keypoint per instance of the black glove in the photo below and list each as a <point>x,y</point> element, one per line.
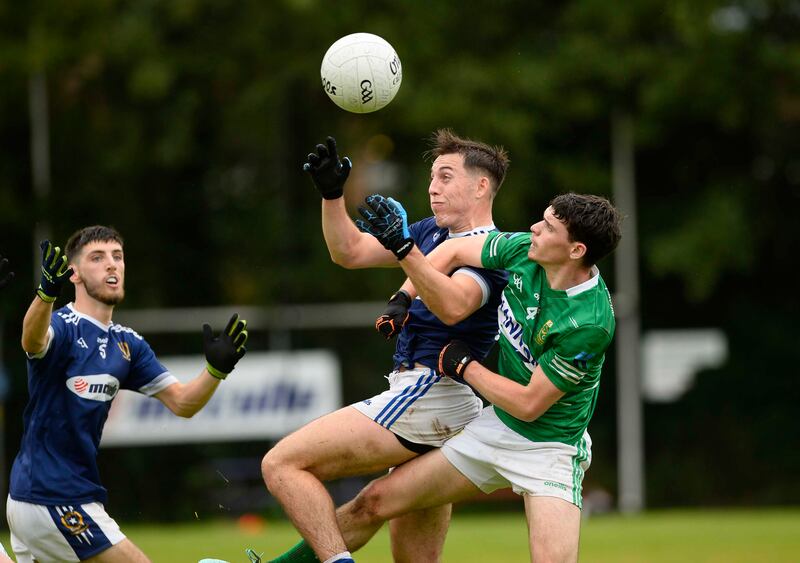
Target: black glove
<point>328,172</point>
<point>223,351</point>
<point>394,316</point>
<point>386,220</point>
<point>454,359</point>
<point>8,277</point>
<point>54,272</point>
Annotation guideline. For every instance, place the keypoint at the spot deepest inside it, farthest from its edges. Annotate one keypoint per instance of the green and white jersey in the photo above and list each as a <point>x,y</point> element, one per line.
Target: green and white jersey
<point>565,332</point>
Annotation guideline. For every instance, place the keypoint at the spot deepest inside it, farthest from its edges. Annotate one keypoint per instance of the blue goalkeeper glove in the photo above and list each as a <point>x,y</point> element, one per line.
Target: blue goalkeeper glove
<point>386,220</point>
<point>454,359</point>
<point>55,272</point>
<point>328,172</point>
<point>8,277</point>
<point>223,351</point>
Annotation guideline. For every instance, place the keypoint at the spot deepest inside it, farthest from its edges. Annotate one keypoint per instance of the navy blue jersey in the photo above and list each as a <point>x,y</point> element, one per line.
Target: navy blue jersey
<point>424,335</point>
<point>71,385</point>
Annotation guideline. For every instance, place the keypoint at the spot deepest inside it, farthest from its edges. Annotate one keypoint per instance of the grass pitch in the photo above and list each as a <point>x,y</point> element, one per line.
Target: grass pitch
<point>728,536</point>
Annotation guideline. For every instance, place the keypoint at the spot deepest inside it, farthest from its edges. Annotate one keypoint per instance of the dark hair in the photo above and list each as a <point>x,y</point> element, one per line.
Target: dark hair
<point>493,160</point>
<point>589,219</point>
<point>82,237</point>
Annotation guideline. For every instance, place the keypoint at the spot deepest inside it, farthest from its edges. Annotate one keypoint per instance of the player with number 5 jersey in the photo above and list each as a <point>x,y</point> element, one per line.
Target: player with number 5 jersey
<point>78,359</point>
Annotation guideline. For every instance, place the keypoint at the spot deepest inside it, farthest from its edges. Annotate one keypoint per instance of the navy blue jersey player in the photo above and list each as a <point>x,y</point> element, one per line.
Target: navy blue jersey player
<point>420,410</point>
<point>78,359</point>
<point>4,281</point>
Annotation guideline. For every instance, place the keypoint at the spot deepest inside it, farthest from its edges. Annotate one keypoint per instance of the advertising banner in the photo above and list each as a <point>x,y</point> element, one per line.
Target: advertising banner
<point>268,395</point>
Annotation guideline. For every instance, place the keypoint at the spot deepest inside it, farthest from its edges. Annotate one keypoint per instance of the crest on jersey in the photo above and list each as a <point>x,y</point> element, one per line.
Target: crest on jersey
<point>73,521</point>
<point>125,349</point>
<point>102,387</point>
<point>542,334</point>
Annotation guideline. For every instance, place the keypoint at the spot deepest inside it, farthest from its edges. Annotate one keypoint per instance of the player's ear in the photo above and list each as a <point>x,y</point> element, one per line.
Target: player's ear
<point>578,251</point>
<point>484,187</point>
<point>75,277</point>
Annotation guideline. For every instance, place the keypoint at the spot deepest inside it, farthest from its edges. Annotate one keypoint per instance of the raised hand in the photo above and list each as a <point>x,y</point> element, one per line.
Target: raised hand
<point>54,272</point>
<point>387,221</point>
<point>328,172</point>
<point>223,351</point>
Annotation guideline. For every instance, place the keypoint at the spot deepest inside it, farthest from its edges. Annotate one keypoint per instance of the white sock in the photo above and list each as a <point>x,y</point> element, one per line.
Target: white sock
<point>339,557</point>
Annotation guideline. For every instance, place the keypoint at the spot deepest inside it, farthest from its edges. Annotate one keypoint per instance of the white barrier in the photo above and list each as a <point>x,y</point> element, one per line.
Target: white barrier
<point>267,396</point>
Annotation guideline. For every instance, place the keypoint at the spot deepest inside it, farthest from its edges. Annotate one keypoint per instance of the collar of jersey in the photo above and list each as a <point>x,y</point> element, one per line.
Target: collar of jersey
<point>476,231</point>
<point>88,318</point>
<point>585,286</point>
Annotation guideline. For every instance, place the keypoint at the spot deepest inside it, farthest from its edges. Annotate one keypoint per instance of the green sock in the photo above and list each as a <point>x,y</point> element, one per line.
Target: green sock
<point>301,553</point>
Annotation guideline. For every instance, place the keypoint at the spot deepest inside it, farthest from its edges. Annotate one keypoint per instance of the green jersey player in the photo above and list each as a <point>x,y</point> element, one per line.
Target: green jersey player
<point>556,323</point>
<point>566,332</point>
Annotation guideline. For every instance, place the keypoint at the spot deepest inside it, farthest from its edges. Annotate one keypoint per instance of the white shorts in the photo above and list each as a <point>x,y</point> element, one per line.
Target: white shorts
<point>493,456</point>
<point>60,532</point>
<point>422,407</point>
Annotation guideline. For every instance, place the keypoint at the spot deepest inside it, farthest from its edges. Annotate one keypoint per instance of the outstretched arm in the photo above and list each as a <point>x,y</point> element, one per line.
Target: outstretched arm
<point>186,399</point>
<point>445,258</point>
<point>222,353</point>
<point>347,246</point>
<point>452,299</point>
<point>35,325</point>
<point>55,272</point>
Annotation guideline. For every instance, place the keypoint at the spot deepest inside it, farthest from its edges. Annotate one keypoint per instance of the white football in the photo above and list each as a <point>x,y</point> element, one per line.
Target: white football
<point>361,72</point>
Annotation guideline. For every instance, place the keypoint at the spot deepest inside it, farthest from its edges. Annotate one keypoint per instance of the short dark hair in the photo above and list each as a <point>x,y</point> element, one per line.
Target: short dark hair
<point>493,160</point>
<point>589,219</point>
<point>82,237</point>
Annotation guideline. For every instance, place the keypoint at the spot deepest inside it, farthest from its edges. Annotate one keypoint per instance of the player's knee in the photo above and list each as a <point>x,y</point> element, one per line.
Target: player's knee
<point>369,506</point>
<point>272,465</point>
<point>279,462</point>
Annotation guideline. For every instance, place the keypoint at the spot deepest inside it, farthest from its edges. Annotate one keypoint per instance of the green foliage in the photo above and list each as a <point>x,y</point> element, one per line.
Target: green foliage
<point>188,120</point>
<point>185,124</point>
<point>711,230</point>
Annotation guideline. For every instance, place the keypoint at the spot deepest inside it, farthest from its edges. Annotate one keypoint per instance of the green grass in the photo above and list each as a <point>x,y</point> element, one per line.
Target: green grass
<point>706,536</point>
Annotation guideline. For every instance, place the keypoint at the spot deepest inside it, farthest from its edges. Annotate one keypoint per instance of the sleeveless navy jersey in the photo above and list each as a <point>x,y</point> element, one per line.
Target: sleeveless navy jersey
<point>424,335</point>
<point>71,385</point>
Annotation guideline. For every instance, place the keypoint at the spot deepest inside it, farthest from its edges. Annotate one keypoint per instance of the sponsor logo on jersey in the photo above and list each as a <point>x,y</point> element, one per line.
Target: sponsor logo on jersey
<point>102,387</point>
<point>531,313</point>
<point>513,332</point>
<point>82,343</point>
<point>542,334</point>
<point>125,349</point>
<point>561,486</point>
<point>517,282</point>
